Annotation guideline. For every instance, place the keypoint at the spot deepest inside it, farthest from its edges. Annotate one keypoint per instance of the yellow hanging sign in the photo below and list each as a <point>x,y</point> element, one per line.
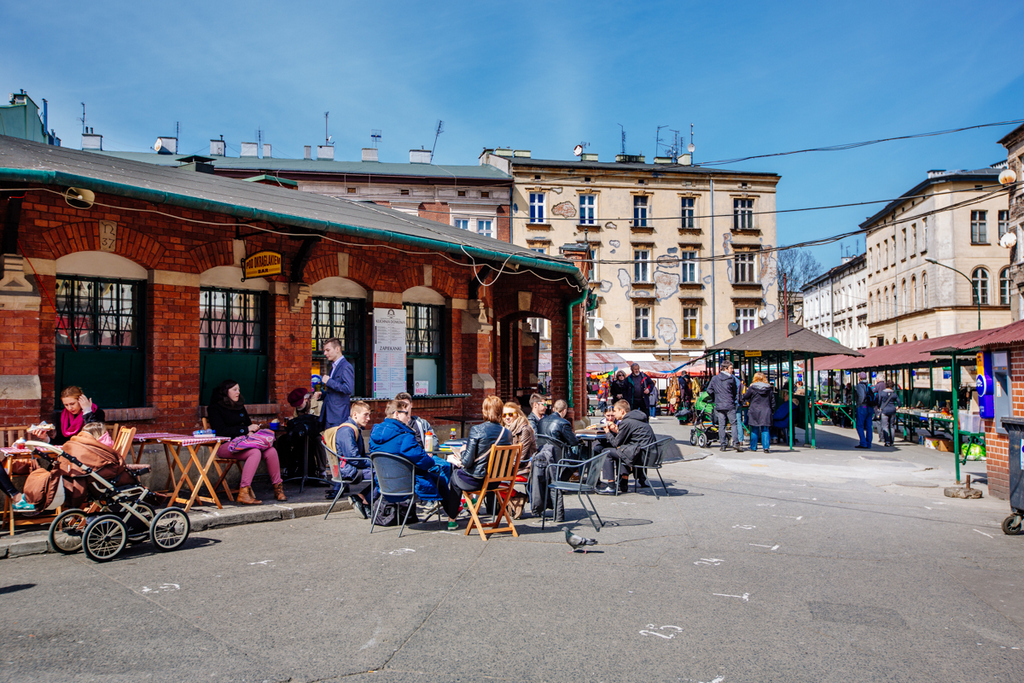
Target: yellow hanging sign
<point>752,354</point>
<point>261,263</point>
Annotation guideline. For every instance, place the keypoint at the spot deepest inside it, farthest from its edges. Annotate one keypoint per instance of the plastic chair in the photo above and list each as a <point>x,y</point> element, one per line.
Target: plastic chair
<point>396,477</point>
<point>502,466</point>
<point>650,459</point>
<point>590,475</point>
<point>346,485</point>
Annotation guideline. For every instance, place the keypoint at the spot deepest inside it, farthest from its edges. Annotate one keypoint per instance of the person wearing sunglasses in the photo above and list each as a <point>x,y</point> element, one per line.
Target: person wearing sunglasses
<point>513,419</point>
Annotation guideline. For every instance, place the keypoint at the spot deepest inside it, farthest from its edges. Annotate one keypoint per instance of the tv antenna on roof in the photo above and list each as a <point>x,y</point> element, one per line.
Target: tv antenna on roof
<point>440,129</point>
<point>375,136</point>
<point>84,129</point>
<point>623,138</point>
<point>327,138</point>
<point>578,149</point>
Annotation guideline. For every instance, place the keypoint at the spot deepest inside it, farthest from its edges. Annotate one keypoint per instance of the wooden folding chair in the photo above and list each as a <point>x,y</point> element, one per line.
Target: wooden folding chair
<point>123,442</point>
<point>8,435</point>
<point>223,468</point>
<point>502,466</point>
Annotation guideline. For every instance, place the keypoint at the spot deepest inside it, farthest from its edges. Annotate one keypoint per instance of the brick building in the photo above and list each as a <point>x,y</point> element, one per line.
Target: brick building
<point>124,278</point>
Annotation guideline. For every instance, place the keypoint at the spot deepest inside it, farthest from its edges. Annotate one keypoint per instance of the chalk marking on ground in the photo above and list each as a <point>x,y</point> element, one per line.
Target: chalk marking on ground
<point>745,597</point>
<point>983,533</point>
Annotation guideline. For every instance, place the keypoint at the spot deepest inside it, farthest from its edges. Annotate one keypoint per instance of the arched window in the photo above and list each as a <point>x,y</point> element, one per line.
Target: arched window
<point>915,338</point>
<point>1004,287</point>
<point>913,293</point>
<point>871,307</point>
<point>924,290</point>
<point>980,291</point>
<point>885,293</point>
<point>903,297</point>
<point>924,336</point>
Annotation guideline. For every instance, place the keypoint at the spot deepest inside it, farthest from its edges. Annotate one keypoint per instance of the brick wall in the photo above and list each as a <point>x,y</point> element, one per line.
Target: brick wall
<point>997,445</point>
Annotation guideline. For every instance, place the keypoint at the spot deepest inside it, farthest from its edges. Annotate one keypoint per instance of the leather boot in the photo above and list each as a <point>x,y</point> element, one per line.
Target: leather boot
<point>245,497</point>
<point>279,492</point>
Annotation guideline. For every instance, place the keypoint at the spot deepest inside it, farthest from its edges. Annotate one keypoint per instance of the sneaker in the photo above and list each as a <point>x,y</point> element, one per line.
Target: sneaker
<point>452,525</point>
<point>24,506</point>
<point>606,490</point>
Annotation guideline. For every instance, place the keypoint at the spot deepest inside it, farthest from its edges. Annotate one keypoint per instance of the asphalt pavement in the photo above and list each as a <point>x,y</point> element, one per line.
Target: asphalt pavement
<point>814,565</point>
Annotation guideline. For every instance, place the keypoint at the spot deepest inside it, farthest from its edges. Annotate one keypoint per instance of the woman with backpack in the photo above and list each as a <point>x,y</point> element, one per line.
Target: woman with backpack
<point>888,402</point>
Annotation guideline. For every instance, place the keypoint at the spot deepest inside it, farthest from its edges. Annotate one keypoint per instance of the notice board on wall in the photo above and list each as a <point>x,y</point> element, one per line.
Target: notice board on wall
<point>388,352</point>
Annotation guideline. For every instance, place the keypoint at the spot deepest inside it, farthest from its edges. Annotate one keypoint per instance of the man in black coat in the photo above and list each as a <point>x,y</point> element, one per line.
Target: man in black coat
<point>628,435</point>
<point>723,389</point>
<point>555,425</point>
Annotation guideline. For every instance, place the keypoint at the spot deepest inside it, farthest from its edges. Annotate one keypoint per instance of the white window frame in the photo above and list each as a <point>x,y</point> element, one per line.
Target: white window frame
<point>1005,288</point>
<point>1003,222</point>
<point>537,213</point>
<point>687,213</point>
<point>642,265</point>
<point>642,322</point>
<point>691,314</point>
<point>743,213</point>
<point>461,223</point>
<point>746,319</point>
<point>742,260</point>
<point>980,286</point>
<point>641,210</point>
<point>979,226</point>
<point>592,256</point>
<point>480,229</point>
<point>588,208</point>
<point>689,267</point>
<point>593,333</point>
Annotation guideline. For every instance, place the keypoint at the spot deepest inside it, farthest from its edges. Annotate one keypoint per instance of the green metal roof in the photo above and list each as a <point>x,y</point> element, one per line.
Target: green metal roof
<point>29,162</point>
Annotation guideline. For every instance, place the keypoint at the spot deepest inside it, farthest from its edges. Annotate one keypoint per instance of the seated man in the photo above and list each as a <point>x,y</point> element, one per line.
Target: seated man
<point>538,410</point>
<point>348,444</point>
<point>418,424</point>
<point>780,419</point>
<point>555,425</point>
<point>433,475</point>
<point>628,434</point>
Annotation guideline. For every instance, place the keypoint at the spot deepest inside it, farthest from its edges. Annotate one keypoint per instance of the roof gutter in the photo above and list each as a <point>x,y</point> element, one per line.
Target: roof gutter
<point>59,178</point>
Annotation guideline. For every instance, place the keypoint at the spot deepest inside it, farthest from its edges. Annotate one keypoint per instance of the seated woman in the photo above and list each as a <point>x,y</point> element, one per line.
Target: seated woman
<point>78,410</point>
<point>522,433</point>
<point>228,417</point>
<point>780,418</point>
<point>471,463</point>
<point>395,435</point>
<point>18,502</point>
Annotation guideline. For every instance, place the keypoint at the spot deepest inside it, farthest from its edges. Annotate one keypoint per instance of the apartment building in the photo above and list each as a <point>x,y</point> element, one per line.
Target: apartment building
<point>678,252</point>
<point>934,263</point>
<point>1014,144</point>
<point>836,305</point>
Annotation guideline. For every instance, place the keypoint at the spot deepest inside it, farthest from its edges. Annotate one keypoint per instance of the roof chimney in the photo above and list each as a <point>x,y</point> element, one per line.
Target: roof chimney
<point>250,149</point>
<point>325,153</point>
<point>266,150</point>
<point>370,154</point>
<point>166,145</point>
<point>92,141</point>
<point>419,156</point>
<point>217,147</point>
<point>309,152</point>
<point>588,156</point>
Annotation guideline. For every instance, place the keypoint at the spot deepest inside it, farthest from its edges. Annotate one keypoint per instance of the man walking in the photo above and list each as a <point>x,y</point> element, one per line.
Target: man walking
<point>864,399</point>
<point>338,387</point>
<point>723,389</point>
<point>638,389</point>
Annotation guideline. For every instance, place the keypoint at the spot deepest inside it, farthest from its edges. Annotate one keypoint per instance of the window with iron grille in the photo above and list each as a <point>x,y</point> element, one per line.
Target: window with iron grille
<point>341,319</point>
<point>742,214</point>
<point>979,227</point>
<point>687,207</point>
<point>232,320</point>
<point>587,209</point>
<point>98,313</point>
<point>690,323</point>
<point>744,268</point>
<point>642,322</point>
<point>640,211</point>
<point>424,347</point>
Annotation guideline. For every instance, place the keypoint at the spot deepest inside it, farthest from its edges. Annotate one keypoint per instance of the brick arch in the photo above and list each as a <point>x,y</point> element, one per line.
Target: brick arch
<point>83,235</point>
<point>326,265</point>
<point>506,302</point>
<point>213,254</point>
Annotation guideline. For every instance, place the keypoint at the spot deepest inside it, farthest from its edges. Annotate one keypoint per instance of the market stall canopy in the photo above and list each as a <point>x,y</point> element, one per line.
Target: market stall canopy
<point>597,361</point>
<point>773,338</point>
<point>924,351</point>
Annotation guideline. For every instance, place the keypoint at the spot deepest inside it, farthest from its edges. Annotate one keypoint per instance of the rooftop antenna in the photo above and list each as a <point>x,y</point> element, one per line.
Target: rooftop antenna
<point>327,138</point>
<point>623,139</point>
<point>375,136</point>
<point>84,129</point>
<point>691,147</point>
<point>177,132</point>
<point>657,139</point>
<point>440,129</point>
<point>674,152</point>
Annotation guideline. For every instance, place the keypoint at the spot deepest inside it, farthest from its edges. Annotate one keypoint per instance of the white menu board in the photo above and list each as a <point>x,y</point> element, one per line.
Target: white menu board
<point>388,352</point>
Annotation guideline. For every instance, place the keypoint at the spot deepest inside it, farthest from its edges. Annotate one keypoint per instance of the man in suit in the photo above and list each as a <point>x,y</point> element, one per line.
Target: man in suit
<point>337,393</point>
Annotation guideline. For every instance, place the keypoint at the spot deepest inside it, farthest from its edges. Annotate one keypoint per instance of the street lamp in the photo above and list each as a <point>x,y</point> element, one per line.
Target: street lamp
<point>974,287</point>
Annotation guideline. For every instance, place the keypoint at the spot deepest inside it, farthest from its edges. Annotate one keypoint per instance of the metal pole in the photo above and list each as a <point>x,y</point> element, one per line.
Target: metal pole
<point>954,377</point>
<point>974,292</point>
<point>792,389</point>
<point>714,308</point>
<point>811,384</point>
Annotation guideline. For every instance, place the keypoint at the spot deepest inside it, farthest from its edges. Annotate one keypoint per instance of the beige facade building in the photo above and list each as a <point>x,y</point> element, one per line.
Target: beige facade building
<point>835,303</point>
<point>951,220</point>
<point>678,251</point>
<point>1014,144</point>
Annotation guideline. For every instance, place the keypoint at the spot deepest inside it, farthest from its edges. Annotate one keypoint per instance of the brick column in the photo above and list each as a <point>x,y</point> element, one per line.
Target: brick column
<point>290,351</point>
<point>172,347</point>
<point>19,345</point>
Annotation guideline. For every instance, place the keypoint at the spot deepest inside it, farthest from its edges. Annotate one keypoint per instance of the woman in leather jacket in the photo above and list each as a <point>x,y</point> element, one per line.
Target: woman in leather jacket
<point>472,463</point>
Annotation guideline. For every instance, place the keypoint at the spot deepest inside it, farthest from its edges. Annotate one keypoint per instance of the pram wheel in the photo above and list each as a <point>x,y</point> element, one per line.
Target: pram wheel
<point>169,529</point>
<point>693,437</point>
<point>105,538</point>
<point>1012,525</point>
<point>66,531</point>
<point>702,440</point>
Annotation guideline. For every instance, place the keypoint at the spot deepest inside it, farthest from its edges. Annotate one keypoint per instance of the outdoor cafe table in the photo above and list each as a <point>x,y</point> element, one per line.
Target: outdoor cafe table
<point>192,444</point>
<point>147,438</point>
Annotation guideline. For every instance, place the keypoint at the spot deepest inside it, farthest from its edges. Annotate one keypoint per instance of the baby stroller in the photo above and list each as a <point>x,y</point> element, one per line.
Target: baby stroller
<point>705,429</point>
<point>114,508</point>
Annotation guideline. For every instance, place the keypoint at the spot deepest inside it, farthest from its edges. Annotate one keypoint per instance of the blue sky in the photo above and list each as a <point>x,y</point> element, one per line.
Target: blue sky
<point>752,77</point>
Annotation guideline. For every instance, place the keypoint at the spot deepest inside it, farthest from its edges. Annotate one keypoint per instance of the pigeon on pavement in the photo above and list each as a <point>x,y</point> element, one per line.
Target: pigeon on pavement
<point>578,542</point>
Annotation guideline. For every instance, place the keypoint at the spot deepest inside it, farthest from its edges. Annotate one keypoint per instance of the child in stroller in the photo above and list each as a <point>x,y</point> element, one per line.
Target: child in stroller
<point>705,428</point>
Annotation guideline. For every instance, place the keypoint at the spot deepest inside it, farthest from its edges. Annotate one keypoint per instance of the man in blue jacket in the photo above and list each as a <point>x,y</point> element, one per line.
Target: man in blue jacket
<point>337,394</point>
<point>433,475</point>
